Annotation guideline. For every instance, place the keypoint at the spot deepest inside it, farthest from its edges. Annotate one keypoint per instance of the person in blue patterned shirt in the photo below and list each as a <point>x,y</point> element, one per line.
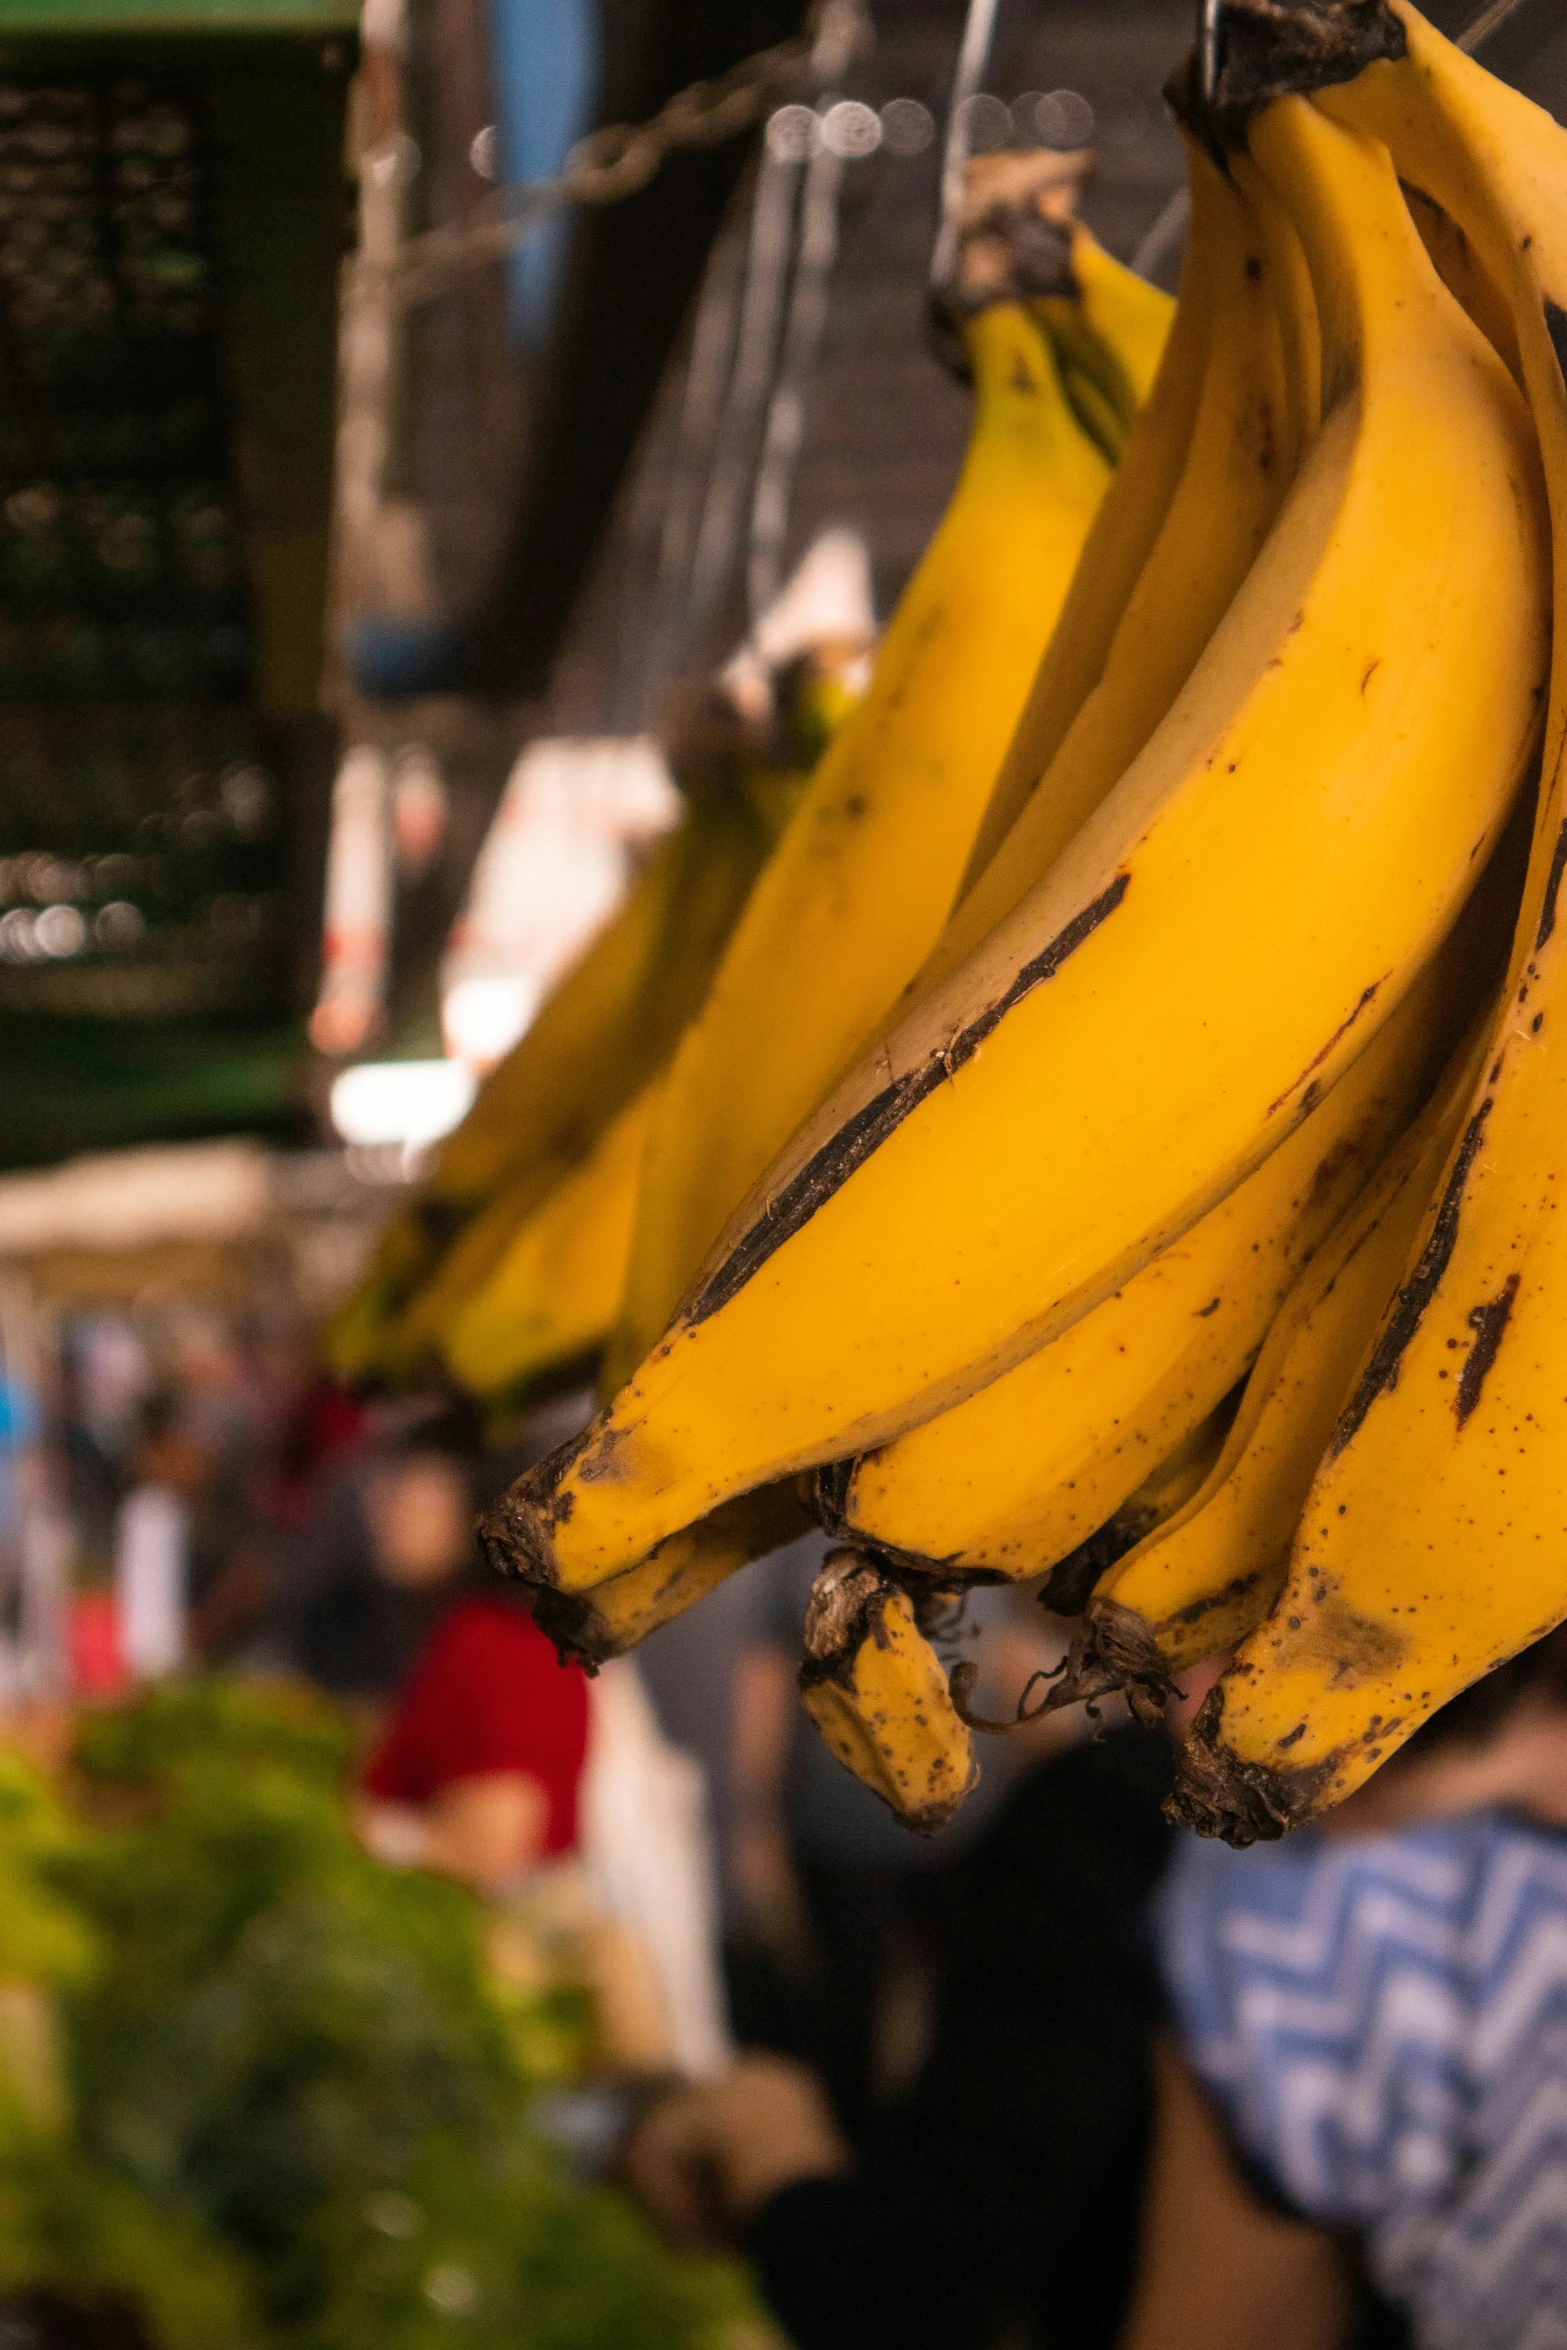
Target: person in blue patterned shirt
<point>1366,2074</point>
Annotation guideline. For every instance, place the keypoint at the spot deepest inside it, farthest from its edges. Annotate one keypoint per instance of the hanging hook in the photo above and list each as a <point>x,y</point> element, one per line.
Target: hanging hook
<point>1210,33</point>
<point>1489,20</point>
<point>979,27</point>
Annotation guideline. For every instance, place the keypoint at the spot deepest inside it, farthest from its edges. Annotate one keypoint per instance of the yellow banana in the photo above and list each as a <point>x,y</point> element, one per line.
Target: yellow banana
<point>1128,522</point>
<point>1131,315</point>
<point>602,1034</point>
<point>587,1628</point>
<point>1467,278</point>
<point>1295,304</point>
<point>1242,459</point>
<point>1213,951</point>
<point>1020,1474</point>
<point>1094,384</point>
<point>874,1687</point>
<point>1208,1577</point>
<point>548,1302</point>
<point>1429,1547</point>
<point>1109,336</point>
<point>864,878</point>
<point>407,1342</point>
<point>1163,1494</point>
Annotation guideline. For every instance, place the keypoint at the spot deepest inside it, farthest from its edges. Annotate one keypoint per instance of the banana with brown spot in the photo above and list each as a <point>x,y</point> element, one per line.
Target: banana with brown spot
<point>875,1688</point>
<point>1214,950</point>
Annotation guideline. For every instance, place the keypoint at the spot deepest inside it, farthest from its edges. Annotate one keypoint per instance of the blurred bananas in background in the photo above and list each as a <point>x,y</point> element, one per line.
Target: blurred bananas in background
<point>596,1045</point>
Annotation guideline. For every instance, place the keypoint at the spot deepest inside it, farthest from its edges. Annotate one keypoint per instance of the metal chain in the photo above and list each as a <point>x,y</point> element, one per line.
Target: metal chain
<point>620,160</point>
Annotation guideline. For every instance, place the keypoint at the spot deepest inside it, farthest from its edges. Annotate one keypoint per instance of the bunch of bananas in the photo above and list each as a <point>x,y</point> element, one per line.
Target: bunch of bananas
<point>525,1212</point>
<point>1119,1144</point>
<point>563,1219</point>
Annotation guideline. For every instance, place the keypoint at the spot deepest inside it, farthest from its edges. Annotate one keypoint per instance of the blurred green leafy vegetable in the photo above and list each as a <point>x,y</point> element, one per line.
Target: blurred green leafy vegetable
<point>283,2107</point>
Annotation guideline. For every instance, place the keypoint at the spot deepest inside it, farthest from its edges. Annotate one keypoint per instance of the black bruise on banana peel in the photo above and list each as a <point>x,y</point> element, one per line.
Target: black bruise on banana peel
<point>1218,1794</point>
<point>1195,1609</point>
<point>862,1135</point>
<point>1381,1372</point>
<point>1489,1323</point>
<point>1341,1031</point>
<point>1273,51</point>
<point>1556,328</point>
<point>1553,888</point>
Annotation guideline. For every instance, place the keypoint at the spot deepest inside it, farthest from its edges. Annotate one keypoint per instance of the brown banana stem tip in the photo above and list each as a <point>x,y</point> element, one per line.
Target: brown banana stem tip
<point>929,1819</point>
<point>1280,49</point>
<point>517,1533</point>
<point>960,1686</point>
<point>1115,1654</point>
<point>1218,1794</point>
<point>1014,242</point>
<point>574,1625</point>
<point>1070,1584</point>
<point>1010,253</point>
<point>847,1602</point>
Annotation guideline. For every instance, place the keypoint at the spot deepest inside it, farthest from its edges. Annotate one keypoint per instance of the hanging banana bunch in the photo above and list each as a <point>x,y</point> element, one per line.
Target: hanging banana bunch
<point>865,875</point>
<point>1119,1148</point>
<point>1188,976</point>
<point>857,892</point>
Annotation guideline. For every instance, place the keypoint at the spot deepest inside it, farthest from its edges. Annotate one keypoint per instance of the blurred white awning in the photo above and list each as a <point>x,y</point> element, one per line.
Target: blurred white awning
<point>205,1191</point>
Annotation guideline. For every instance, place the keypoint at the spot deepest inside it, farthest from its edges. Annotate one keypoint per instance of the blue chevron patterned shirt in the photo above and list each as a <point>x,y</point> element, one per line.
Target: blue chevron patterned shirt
<point>1382,2020</point>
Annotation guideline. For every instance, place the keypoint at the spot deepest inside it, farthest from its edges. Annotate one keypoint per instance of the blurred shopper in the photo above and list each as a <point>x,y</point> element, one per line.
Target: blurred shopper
<point>388,1536</point>
<point>477,1771</point>
<point>383,1507</point>
<point>499,1766</point>
<point>836,1905</point>
<point>1001,2190</point>
<point>191,1575</point>
<point>1371,2069</point>
<point>318,1421</point>
<point>151,1540</point>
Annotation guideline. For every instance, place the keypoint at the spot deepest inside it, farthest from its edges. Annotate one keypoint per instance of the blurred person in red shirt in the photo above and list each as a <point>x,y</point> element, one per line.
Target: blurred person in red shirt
<point>478,1770</point>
